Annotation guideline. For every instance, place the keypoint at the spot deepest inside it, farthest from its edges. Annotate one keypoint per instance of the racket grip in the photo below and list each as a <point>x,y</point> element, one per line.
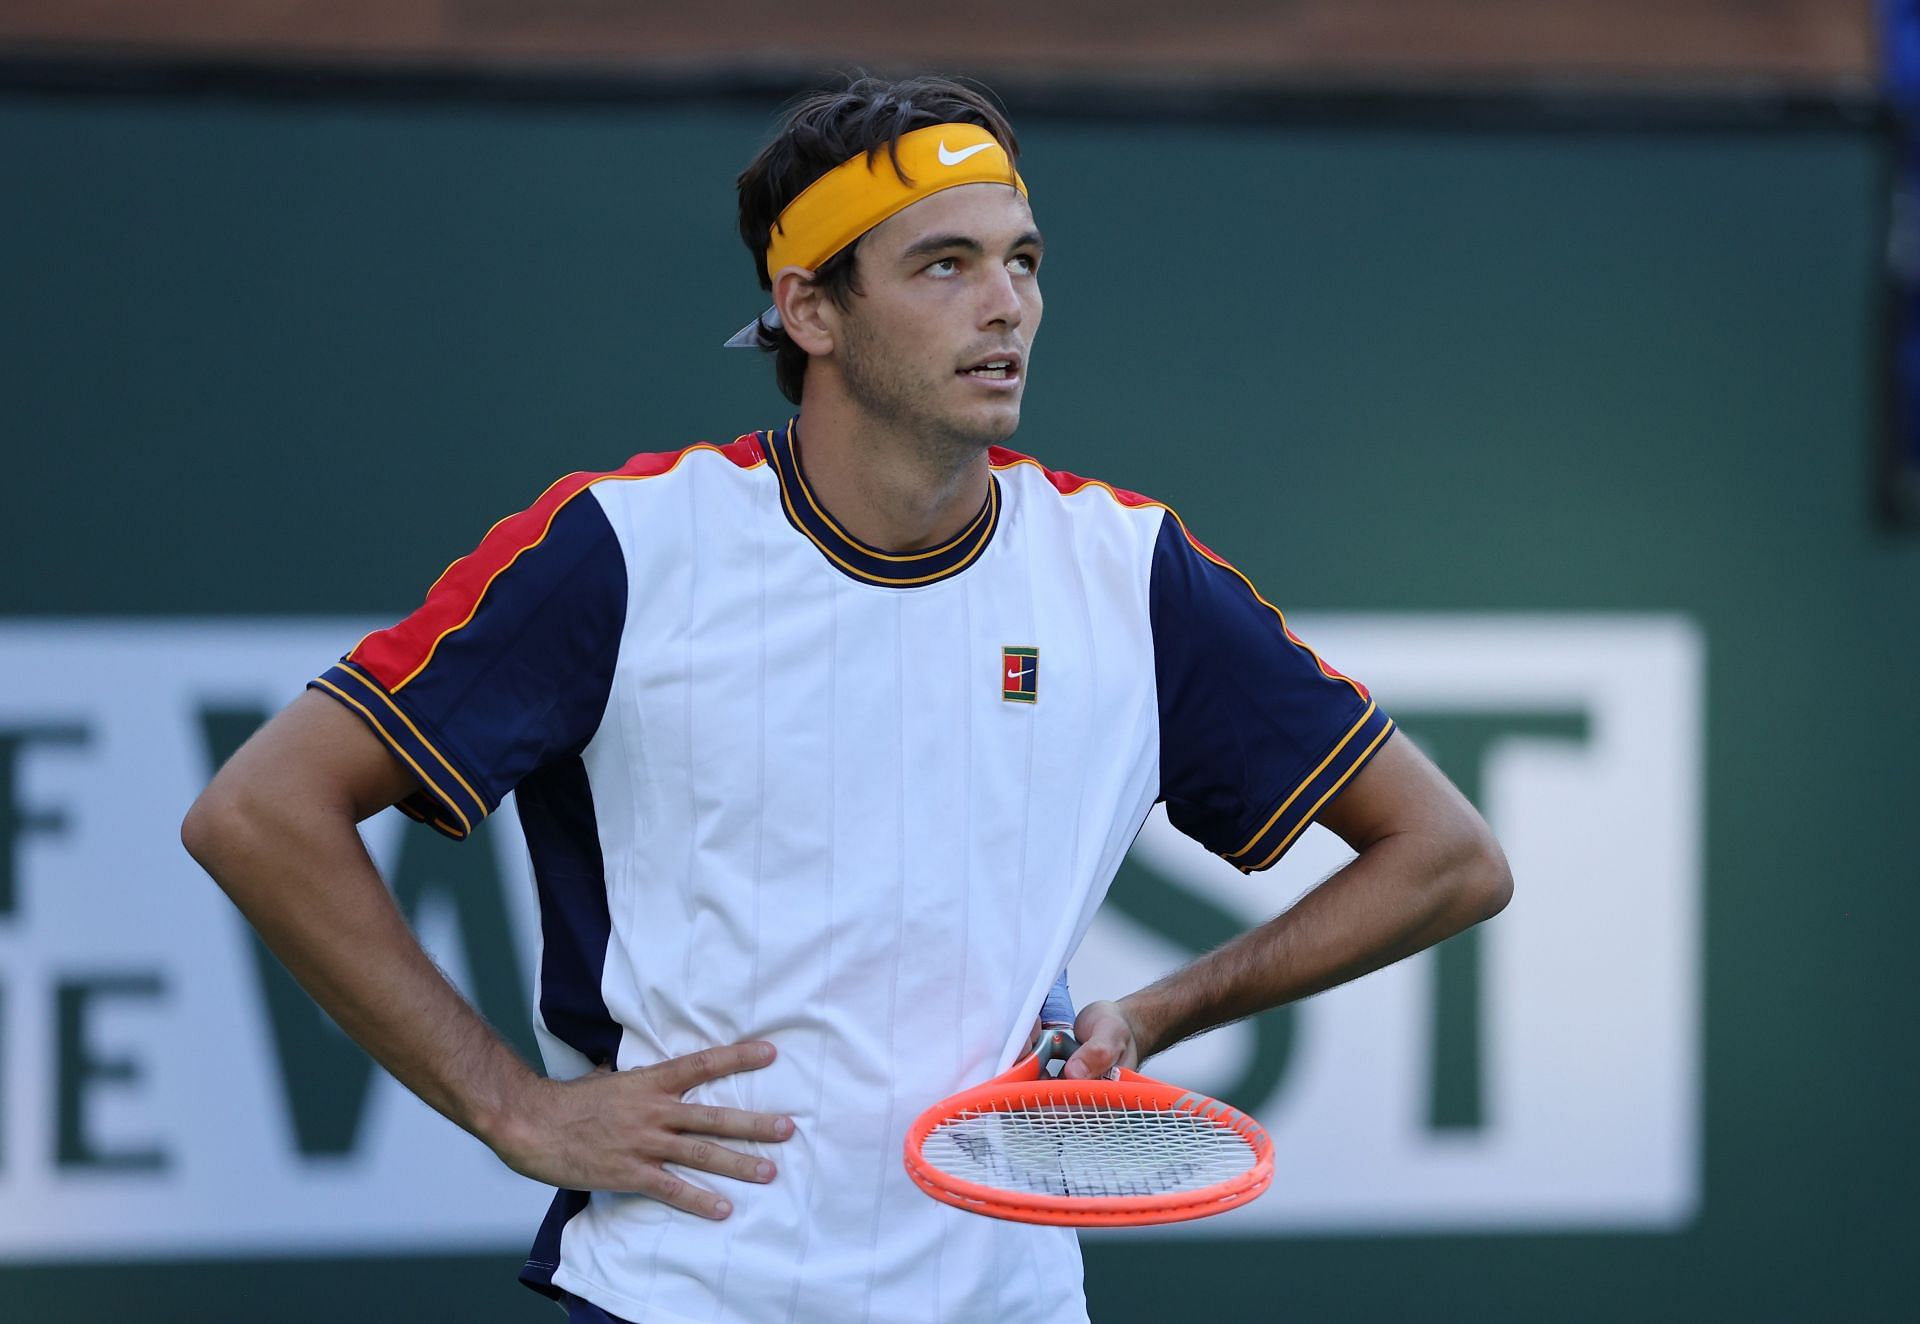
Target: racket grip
<point>1055,1047</point>
<point>1057,1008</point>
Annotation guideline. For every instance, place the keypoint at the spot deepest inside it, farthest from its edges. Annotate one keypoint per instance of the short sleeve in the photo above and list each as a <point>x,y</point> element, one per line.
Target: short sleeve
<point>1257,732</point>
<point>507,665</point>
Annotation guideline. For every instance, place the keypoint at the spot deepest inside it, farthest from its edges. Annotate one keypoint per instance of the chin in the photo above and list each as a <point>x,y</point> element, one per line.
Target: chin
<point>1002,429</point>
<point>992,427</point>
<point>982,435</point>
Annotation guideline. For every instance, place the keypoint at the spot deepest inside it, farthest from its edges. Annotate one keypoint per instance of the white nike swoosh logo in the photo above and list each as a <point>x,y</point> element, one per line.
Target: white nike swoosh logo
<point>955,158</point>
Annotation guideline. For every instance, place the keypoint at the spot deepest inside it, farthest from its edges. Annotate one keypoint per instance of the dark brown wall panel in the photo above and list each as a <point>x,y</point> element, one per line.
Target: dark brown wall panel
<point>1802,41</point>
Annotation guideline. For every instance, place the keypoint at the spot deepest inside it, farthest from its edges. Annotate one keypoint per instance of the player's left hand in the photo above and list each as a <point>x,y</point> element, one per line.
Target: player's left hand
<point>1108,1039</point>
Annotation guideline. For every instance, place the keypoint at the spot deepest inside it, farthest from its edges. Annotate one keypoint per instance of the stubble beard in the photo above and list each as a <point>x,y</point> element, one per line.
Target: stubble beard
<point>888,393</point>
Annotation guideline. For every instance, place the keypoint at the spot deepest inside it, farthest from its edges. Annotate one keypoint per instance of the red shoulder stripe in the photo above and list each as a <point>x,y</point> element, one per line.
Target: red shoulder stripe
<point>999,457</point>
<point>396,655</point>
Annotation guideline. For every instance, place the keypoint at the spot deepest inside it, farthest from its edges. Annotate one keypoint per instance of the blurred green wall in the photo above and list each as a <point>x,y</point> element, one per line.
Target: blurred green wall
<point>284,358</point>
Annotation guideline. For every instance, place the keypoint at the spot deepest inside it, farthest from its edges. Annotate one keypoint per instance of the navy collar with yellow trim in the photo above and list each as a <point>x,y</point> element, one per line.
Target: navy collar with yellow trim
<point>856,559</point>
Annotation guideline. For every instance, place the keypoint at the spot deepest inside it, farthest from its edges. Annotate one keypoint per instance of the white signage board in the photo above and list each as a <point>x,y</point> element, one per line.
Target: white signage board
<point>144,1086</point>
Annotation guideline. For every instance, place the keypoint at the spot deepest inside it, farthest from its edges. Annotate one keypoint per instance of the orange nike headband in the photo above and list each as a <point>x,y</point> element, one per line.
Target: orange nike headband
<point>857,195</point>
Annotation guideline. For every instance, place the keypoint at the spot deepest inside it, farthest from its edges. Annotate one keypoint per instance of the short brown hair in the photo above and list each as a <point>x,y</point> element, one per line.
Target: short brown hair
<point>819,131</point>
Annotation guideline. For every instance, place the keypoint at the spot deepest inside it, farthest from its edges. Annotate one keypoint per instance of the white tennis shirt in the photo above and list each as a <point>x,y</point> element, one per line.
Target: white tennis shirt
<point>779,784</point>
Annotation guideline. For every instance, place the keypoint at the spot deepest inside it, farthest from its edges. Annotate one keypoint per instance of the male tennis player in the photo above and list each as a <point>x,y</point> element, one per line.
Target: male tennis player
<point>827,743</point>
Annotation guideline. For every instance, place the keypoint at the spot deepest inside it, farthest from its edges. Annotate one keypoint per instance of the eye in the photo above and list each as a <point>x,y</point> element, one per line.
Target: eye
<point>1024,263</point>
<point>946,266</point>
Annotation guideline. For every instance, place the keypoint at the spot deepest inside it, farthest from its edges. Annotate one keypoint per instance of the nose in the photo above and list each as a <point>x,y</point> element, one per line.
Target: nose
<point>1000,300</point>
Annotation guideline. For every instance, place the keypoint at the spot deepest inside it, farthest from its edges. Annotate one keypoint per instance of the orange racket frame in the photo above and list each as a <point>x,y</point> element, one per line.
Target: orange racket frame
<point>1026,1086</point>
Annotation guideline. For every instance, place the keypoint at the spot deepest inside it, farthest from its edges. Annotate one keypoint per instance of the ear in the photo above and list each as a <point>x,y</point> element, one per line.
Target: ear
<point>805,310</point>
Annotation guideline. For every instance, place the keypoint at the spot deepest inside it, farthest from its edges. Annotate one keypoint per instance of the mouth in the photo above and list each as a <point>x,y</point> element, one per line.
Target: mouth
<point>993,369</point>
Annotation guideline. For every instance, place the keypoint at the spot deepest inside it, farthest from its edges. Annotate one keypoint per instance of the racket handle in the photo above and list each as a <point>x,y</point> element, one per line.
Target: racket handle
<point>1055,1047</point>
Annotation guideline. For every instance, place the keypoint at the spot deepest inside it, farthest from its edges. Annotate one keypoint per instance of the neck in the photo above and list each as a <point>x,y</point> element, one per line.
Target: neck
<point>892,490</point>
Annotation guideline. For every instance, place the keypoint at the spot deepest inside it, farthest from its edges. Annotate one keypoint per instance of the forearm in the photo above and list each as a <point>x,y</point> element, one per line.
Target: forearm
<point>1400,895</point>
<point>301,875</point>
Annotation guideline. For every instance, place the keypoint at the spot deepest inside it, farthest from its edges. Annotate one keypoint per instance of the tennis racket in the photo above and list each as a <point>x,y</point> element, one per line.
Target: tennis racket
<point>1120,1152</point>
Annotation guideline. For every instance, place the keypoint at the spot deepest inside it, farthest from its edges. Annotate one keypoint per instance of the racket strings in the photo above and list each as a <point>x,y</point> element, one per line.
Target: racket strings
<point>1087,1150</point>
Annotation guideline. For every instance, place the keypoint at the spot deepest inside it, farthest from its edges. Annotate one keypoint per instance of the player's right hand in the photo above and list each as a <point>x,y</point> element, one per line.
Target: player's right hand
<point>615,1130</point>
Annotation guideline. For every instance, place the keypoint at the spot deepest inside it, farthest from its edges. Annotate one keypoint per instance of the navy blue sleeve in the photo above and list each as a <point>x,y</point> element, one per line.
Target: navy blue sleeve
<point>1257,733</point>
<point>507,665</point>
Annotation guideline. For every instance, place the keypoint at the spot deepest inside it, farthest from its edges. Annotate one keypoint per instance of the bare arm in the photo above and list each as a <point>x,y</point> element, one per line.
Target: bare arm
<point>276,829</point>
<point>1427,868</point>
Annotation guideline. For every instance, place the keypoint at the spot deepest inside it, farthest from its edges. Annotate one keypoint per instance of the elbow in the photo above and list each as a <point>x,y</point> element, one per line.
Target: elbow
<point>1468,878</point>
<point>1486,879</point>
<point>203,828</point>
<point>214,828</point>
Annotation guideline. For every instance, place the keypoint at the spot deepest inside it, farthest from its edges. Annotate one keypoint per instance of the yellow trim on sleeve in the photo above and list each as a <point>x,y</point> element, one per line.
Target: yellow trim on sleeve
<point>436,821</point>
<point>420,772</point>
<point>432,749</point>
<point>1307,781</point>
<point>1332,790</point>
